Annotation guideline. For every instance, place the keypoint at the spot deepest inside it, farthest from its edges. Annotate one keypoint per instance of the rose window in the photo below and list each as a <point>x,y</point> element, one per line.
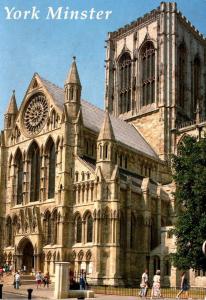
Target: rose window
<point>35,114</point>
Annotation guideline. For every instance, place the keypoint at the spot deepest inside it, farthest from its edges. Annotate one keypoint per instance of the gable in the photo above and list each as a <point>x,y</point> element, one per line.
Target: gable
<point>37,108</point>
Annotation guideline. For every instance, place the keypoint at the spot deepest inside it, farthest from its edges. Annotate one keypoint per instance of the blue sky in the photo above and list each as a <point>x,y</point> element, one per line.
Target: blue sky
<point>47,46</point>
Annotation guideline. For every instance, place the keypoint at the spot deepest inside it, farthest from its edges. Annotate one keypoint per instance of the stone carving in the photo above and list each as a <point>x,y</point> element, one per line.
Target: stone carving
<point>35,114</point>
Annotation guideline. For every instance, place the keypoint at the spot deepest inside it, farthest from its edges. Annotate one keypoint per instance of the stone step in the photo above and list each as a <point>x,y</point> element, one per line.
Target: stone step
<point>27,282</point>
<point>27,277</point>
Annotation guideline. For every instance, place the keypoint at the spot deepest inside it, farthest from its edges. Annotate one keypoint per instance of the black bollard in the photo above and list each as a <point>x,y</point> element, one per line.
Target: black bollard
<point>29,293</point>
<point>1,286</point>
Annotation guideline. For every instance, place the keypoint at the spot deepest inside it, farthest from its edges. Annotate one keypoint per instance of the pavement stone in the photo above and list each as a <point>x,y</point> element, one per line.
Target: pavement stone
<point>48,293</point>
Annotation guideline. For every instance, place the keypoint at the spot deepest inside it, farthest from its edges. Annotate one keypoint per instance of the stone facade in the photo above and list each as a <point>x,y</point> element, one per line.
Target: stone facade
<point>93,187</point>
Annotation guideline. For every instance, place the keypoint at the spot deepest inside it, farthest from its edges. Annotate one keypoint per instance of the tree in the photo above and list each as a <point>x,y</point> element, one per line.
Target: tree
<point>189,168</point>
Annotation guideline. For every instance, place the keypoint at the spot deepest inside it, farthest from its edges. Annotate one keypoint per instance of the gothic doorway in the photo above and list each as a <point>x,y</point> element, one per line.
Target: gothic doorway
<point>27,255</point>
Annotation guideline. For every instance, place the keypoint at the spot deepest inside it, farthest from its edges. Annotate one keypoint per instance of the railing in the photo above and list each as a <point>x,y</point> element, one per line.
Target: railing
<point>190,123</point>
<point>185,124</point>
<point>194,293</point>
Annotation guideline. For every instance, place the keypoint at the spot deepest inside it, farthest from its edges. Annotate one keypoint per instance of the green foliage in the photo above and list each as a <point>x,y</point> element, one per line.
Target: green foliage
<point>190,229</point>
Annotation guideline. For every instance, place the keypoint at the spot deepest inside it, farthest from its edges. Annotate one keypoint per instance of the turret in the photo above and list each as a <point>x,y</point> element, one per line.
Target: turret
<point>12,111</point>
<point>105,143</point>
<point>72,91</point>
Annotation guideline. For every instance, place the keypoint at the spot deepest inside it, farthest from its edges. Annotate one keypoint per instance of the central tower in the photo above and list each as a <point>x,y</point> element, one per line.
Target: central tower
<point>155,75</point>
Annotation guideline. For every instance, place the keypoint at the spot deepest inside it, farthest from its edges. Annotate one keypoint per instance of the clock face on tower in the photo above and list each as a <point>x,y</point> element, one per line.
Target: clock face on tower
<point>35,114</point>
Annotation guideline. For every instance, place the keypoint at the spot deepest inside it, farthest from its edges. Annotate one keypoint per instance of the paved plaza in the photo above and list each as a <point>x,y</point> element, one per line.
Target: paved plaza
<point>47,293</point>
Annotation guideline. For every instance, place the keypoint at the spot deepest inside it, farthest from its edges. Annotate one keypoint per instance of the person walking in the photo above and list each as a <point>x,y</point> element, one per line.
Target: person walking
<point>144,284</point>
<point>46,279</point>
<point>17,279</point>
<point>184,285</point>
<point>82,283</point>
<point>156,292</point>
<point>38,277</point>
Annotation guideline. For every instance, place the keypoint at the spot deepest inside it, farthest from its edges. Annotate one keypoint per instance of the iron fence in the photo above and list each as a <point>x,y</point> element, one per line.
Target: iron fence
<point>194,293</point>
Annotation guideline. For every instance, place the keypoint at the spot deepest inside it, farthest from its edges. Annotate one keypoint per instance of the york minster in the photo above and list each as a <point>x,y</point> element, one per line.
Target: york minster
<point>93,187</point>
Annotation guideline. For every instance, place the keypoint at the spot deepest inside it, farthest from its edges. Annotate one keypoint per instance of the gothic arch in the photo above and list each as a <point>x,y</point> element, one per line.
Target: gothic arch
<point>50,151</point>
<point>34,141</point>
<point>34,170</point>
<point>78,228</point>
<point>22,243</point>
<point>9,231</point>
<point>89,228</point>
<point>53,117</point>
<point>106,225</point>
<point>18,173</point>
<point>147,71</point>
<point>50,140</point>
<point>54,224</point>
<point>85,214</point>
<point>196,83</point>
<point>47,227</point>
<point>181,142</point>
<point>147,39</point>
<point>182,66</point>
<point>80,255</point>
<point>125,79</point>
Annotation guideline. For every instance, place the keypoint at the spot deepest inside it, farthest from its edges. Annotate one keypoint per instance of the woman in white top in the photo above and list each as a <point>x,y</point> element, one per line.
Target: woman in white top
<point>17,280</point>
<point>156,285</point>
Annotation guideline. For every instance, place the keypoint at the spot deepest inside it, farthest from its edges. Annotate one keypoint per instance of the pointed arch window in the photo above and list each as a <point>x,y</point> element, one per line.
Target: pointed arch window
<point>54,228</point>
<point>14,228</point>
<point>148,73</point>
<point>133,232</point>
<point>78,230</point>
<point>125,83</point>
<point>9,233</point>
<point>89,228</point>
<point>47,228</point>
<point>182,74</point>
<point>51,170</point>
<point>35,173</point>
<point>19,178</point>
<point>196,84</point>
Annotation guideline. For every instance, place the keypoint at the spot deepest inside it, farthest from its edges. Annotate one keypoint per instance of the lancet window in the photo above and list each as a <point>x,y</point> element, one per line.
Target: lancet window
<point>148,73</point>
<point>125,83</point>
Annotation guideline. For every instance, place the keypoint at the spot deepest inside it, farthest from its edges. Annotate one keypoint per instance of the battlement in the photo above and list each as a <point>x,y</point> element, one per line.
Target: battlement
<point>165,7</point>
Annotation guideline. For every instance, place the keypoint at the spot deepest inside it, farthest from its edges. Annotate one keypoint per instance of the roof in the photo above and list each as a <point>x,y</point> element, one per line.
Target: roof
<point>93,118</point>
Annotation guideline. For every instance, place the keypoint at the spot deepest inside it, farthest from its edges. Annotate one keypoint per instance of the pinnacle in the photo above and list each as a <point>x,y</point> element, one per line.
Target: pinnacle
<point>12,107</point>
<point>73,76</point>
<point>106,132</point>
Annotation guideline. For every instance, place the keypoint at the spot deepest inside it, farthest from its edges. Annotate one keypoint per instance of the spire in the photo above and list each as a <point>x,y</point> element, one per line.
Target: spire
<point>73,75</point>
<point>106,132</point>
<point>12,108</point>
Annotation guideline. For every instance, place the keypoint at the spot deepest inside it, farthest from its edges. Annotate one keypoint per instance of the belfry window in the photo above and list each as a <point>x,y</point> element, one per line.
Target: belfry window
<point>196,84</point>
<point>181,74</point>
<point>35,173</point>
<point>51,169</point>
<point>125,83</point>
<point>19,178</point>
<point>148,73</point>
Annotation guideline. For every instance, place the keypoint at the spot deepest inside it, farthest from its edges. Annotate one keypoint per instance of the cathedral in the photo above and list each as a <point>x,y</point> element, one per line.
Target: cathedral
<point>94,187</point>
